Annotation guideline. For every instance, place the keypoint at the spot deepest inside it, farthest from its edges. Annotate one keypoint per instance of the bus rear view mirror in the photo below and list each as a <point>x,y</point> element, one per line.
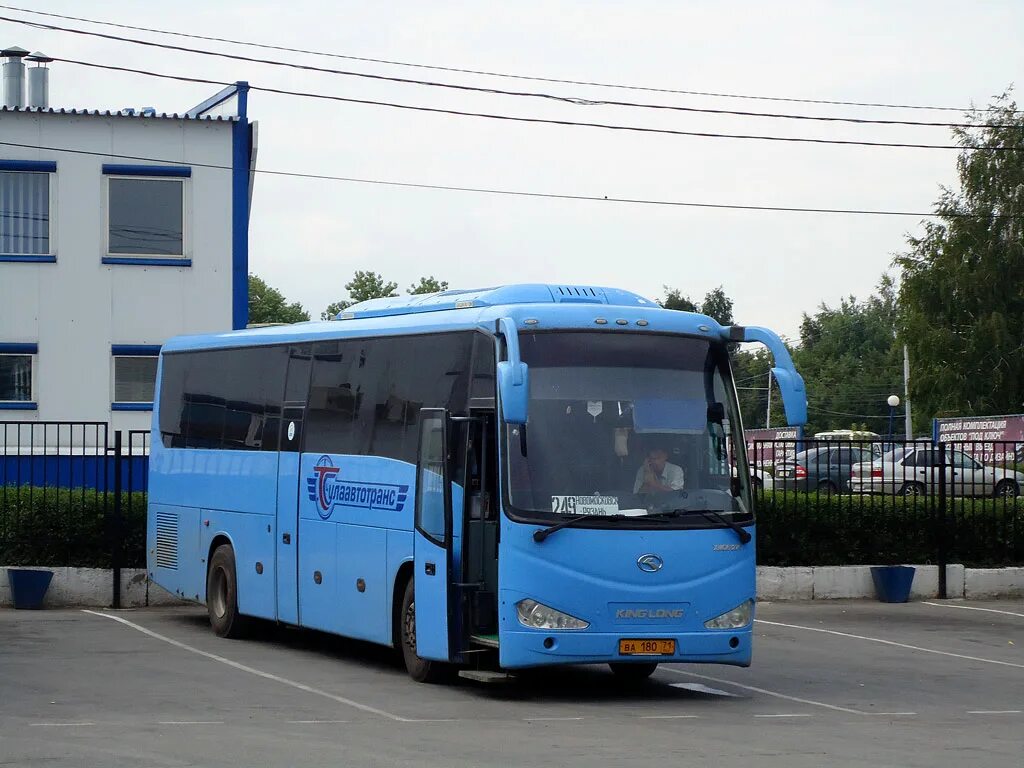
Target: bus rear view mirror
<point>513,376</point>
<point>514,387</point>
<point>791,384</point>
<point>794,397</point>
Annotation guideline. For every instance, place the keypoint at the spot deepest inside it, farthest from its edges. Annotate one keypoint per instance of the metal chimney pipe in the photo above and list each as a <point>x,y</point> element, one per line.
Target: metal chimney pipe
<point>14,76</point>
<point>39,81</point>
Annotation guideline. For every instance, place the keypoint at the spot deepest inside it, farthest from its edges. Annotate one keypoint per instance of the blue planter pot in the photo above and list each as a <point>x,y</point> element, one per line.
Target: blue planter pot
<point>892,582</point>
<point>28,587</point>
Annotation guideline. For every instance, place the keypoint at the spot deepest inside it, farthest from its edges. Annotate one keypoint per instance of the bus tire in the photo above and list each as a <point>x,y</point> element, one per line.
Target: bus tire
<point>222,595</point>
<point>633,673</point>
<point>420,670</point>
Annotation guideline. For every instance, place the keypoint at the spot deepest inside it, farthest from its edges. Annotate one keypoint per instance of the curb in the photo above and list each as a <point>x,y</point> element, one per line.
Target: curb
<point>94,588</point>
<point>837,582</point>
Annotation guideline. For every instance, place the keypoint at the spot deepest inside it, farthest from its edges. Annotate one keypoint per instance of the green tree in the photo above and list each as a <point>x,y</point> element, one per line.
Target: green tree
<point>717,306</point>
<point>674,299</point>
<point>428,285</point>
<point>363,286</point>
<point>334,308</point>
<point>268,305</point>
<point>851,361</point>
<point>962,286</point>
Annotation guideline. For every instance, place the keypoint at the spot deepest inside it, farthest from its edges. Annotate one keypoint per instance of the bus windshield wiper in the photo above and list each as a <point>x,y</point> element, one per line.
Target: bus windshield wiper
<point>710,514</point>
<point>542,534</point>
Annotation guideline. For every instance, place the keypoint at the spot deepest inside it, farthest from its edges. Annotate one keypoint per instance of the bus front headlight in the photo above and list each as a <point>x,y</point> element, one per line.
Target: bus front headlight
<point>539,616</point>
<point>738,617</point>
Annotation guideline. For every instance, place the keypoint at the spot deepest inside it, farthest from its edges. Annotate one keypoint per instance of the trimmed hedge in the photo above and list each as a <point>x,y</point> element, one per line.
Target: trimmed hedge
<point>69,527</point>
<point>61,527</point>
<point>823,529</point>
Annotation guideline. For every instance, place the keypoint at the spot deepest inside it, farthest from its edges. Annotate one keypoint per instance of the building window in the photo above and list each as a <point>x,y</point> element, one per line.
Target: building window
<point>134,376</point>
<point>25,210</point>
<point>17,362</point>
<point>145,217</point>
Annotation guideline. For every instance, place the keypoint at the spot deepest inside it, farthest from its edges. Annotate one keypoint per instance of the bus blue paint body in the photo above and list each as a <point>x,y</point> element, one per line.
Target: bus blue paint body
<point>436,437</point>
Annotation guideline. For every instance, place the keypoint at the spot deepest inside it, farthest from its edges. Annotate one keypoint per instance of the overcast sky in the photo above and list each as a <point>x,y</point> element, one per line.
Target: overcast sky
<point>307,237</point>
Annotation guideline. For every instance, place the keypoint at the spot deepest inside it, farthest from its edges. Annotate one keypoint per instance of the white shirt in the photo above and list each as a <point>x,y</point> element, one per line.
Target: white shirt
<point>671,476</point>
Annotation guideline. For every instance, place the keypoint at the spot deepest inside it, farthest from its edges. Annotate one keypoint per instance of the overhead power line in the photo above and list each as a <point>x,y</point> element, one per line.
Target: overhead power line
<point>539,120</point>
<point>575,100</point>
<point>468,71</point>
<point>511,192</point>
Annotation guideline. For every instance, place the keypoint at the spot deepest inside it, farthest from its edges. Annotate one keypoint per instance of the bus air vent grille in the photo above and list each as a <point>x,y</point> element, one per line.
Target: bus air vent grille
<point>167,540</point>
<point>583,294</point>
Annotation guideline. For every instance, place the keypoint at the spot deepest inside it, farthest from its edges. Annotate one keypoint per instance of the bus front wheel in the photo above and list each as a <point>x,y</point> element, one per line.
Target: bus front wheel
<point>420,670</point>
<point>222,595</point>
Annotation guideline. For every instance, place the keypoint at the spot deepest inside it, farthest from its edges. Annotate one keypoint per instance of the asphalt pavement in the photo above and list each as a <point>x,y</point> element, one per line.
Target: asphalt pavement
<point>833,684</point>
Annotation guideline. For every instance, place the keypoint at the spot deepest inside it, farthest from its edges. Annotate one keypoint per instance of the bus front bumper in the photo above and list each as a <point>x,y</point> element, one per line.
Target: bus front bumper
<point>532,648</point>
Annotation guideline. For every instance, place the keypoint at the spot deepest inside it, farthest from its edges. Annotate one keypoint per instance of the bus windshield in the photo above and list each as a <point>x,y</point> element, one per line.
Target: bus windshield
<point>637,427</point>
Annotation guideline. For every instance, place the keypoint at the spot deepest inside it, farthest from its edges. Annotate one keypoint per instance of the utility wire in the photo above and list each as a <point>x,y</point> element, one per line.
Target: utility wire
<point>543,121</point>
<point>390,62</point>
<point>508,192</point>
<point>578,101</point>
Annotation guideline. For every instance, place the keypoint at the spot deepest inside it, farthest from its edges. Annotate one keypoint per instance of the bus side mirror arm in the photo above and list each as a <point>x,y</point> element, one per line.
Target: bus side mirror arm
<point>791,383</point>
<point>513,376</point>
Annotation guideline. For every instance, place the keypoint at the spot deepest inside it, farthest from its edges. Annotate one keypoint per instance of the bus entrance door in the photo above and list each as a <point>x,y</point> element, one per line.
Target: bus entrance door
<point>433,538</point>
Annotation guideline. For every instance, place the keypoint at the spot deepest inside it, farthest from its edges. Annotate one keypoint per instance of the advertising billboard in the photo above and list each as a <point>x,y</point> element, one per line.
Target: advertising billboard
<point>767,447</point>
<point>995,439</point>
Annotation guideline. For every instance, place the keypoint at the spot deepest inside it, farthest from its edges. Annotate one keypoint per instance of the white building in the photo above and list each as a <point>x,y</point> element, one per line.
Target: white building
<point>118,230</point>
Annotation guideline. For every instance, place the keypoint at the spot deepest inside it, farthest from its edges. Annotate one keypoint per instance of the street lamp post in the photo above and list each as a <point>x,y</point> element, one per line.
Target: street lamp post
<point>893,401</point>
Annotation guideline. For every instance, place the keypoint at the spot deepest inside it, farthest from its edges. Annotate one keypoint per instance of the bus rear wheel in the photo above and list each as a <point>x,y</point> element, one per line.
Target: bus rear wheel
<point>222,595</point>
<point>420,670</point>
<point>633,673</point>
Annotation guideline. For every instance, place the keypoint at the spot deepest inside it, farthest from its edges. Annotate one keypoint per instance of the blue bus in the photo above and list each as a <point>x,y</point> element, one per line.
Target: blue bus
<point>486,480</point>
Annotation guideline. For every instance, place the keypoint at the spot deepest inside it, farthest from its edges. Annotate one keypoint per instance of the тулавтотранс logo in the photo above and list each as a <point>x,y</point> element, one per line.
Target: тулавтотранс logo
<point>327,490</point>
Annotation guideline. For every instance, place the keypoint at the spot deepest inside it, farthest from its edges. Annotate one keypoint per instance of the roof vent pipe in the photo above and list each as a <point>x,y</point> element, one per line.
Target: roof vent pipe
<point>39,81</point>
<point>14,76</point>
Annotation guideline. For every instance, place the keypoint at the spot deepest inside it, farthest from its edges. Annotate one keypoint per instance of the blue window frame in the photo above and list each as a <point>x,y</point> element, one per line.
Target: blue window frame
<point>26,211</point>
<point>133,376</point>
<point>17,380</point>
<point>146,214</point>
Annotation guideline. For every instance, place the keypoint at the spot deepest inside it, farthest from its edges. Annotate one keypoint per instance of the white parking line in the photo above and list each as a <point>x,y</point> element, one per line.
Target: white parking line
<point>59,725</point>
<point>766,692</point>
<point>251,670</point>
<point>973,608</point>
<point>190,722</point>
<point>547,719</point>
<point>701,688</point>
<point>892,714</point>
<point>994,712</point>
<point>892,643</point>
<point>794,715</point>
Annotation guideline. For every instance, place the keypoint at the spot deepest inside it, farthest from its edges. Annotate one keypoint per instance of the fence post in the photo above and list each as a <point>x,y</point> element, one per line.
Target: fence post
<point>116,528</point>
<point>943,553</point>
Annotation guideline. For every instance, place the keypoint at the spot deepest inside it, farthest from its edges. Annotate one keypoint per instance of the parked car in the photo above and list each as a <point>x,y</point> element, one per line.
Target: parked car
<point>825,468</point>
<point>761,480</point>
<point>917,470</point>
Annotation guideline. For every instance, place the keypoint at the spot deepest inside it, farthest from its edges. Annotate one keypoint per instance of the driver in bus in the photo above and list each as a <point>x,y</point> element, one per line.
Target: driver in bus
<point>657,475</point>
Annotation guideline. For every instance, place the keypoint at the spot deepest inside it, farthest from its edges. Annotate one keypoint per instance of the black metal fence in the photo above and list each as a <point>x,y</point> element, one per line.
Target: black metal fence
<point>824,502</point>
<point>73,494</point>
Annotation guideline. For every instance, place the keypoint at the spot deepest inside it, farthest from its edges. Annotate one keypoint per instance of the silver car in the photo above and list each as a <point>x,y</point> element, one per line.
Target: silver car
<point>915,470</point>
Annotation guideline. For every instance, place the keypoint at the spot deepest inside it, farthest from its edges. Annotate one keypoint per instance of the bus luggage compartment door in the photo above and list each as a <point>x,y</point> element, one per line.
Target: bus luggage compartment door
<point>433,538</point>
